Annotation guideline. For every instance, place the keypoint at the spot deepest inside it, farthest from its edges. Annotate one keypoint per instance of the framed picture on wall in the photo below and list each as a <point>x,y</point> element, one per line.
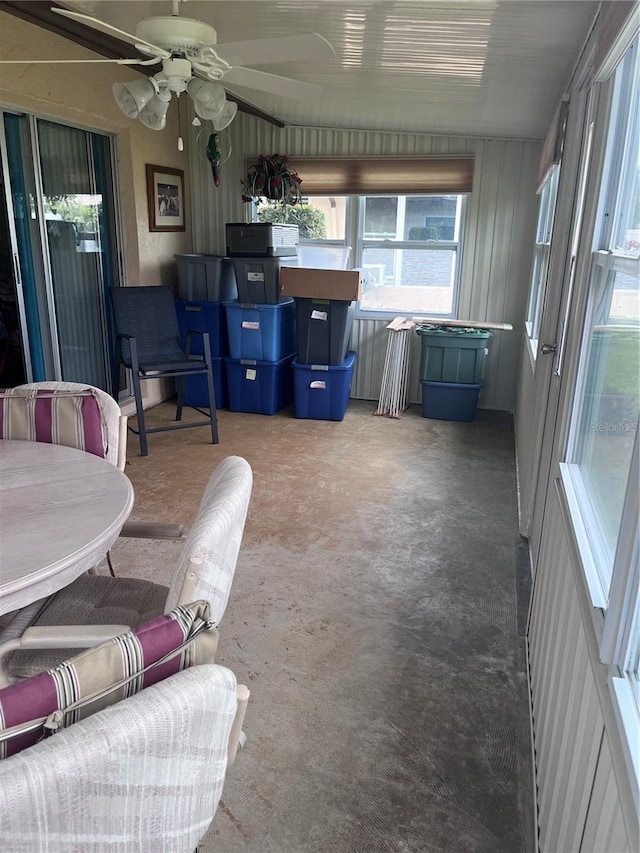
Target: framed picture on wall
<point>165,198</point>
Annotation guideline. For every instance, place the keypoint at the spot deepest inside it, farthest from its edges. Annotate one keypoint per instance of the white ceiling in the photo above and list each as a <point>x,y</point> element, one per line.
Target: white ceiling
<point>472,67</point>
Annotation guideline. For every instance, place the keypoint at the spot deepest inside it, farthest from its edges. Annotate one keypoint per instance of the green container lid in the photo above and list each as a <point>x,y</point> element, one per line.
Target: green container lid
<point>454,331</point>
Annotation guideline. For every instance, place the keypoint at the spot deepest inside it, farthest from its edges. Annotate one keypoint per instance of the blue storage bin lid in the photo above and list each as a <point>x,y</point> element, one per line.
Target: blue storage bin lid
<point>235,303</point>
<point>252,362</point>
<point>346,364</point>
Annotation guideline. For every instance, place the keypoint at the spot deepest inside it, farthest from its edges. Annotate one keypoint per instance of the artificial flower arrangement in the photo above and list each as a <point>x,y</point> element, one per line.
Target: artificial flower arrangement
<point>270,177</point>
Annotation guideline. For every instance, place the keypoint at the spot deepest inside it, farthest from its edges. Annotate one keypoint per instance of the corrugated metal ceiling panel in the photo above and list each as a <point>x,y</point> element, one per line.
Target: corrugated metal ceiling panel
<point>482,67</point>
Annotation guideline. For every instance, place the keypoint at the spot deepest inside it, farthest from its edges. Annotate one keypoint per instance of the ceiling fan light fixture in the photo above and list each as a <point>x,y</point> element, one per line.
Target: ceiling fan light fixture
<point>175,74</point>
<point>226,116</point>
<point>208,98</point>
<point>154,114</point>
<point>133,97</point>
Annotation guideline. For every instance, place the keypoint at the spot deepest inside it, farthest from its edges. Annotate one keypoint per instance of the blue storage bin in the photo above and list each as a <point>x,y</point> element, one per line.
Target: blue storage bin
<point>261,332</point>
<point>204,317</point>
<point>259,387</point>
<point>321,391</point>
<point>195,391</point>
<point>450,401</point>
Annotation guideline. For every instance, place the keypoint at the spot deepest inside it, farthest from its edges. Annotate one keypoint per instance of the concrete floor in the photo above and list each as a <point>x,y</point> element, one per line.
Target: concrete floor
<point>377,615</point>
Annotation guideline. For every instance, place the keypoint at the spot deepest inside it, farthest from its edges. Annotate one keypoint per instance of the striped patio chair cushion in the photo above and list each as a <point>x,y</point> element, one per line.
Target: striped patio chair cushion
<point>36,707</point>
<point>54,417</point>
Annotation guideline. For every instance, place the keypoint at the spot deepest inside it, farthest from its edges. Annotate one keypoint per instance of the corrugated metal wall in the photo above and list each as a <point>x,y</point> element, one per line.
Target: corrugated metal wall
<point>498,236</point>
<point>579,798</point>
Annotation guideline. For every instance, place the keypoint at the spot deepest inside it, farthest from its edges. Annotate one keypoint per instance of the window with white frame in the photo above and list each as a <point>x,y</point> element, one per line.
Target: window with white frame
<point>602,469</point>
<point>409,247</point>
<point>546,213</point>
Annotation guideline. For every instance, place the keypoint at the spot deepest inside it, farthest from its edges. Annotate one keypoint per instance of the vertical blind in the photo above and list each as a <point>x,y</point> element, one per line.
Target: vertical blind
<point>67,169</point>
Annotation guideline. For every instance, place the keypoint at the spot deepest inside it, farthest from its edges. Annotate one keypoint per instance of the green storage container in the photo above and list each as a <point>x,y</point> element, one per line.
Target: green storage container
<point>451,354</point>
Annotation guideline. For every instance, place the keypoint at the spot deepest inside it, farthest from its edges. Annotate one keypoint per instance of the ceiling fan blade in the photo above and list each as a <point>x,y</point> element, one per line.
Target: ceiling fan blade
<point>272,83</point>
<point>103,27</point>
<point>153,61</point>
<point>309,47</point>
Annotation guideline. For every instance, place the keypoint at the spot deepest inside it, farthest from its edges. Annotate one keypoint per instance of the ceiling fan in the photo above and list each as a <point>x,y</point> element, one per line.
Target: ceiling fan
<point>193,61</point>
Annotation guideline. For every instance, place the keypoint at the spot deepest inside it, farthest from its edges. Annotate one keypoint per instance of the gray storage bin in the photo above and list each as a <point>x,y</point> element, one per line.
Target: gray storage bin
<point>258,279</point>
<point>323,329</point>
<point>206,278</point>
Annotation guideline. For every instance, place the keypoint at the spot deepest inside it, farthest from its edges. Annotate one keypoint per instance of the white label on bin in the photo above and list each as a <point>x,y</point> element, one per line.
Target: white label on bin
<point>319,315</point>
<point>255,276</point>
<point>319,384</point>
<point>250,324</point>
<point>250,373</point>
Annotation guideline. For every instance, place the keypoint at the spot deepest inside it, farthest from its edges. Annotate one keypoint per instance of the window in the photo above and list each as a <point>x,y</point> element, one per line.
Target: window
<point>607,402</point>
<point>546,212</point>
<point>408,246</point>
<point>601,474</point>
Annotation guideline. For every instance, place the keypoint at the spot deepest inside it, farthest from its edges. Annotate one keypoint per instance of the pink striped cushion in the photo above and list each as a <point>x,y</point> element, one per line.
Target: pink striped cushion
<point>72,418</point>
<point>69,686</point>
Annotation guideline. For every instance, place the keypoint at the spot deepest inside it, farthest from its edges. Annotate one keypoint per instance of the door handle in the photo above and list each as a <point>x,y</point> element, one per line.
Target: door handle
<point>548,349</point>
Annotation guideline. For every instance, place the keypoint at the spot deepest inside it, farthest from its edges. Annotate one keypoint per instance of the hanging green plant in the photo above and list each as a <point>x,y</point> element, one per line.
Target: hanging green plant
<point>270,177</point>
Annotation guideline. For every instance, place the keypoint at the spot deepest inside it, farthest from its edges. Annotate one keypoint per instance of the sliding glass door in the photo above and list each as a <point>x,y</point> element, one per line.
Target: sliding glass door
<point>62,197</point>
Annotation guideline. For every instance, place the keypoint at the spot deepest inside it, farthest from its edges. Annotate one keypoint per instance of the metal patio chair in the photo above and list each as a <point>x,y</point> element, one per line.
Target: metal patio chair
<point>148,344</point>
<point>95,607</point>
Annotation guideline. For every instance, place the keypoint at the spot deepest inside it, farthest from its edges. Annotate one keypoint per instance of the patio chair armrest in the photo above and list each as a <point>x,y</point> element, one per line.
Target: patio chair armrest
<point>128,350</point>
<point>58,637</point>
<point>206,345</point>
<point>152,530</point>
<point>67,636</point>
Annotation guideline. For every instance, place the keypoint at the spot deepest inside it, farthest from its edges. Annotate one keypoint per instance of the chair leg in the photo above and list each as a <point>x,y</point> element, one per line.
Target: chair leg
<point>110,564</point>
<point>137,393</point>
<point>211,390</point>
<point>180,380</point>
<point>142,429</point>
<point>115,376</point>
<point>237,737</point>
